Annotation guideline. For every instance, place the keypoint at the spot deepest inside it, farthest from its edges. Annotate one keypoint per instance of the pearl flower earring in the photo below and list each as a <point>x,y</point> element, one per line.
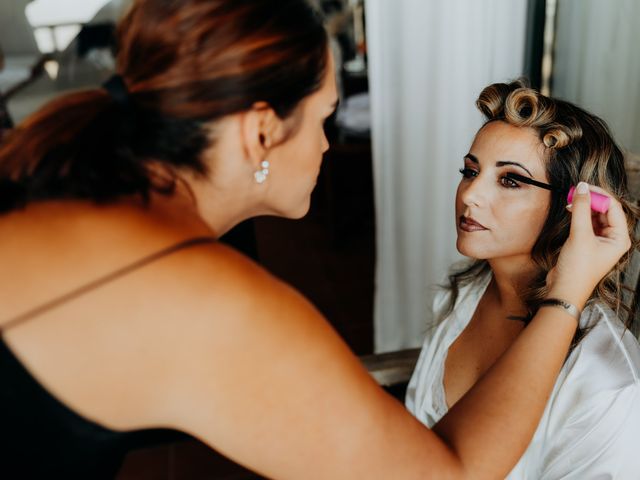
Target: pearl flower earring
<point>261,175</point>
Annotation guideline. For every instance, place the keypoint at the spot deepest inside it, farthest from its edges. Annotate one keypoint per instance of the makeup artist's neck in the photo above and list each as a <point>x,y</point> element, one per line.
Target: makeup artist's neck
<point>510,277</point>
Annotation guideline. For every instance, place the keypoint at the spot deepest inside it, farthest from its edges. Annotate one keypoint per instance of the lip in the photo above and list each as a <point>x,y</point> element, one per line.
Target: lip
<point>468,224</point>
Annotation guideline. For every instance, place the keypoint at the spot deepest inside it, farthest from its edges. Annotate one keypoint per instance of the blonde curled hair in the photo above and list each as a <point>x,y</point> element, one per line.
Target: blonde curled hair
<point>578,147</point>
<point>525,107</point>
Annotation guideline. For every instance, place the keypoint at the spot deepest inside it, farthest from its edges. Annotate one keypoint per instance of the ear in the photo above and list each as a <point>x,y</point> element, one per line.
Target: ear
<point>261,130</point>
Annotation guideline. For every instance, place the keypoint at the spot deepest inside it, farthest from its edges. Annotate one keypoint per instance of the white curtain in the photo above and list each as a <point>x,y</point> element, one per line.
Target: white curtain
<point>597,64</point>
<point>428,61</point>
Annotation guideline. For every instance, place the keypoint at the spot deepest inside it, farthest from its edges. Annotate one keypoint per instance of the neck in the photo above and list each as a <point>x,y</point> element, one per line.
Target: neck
<point>511,276</point>
<point>219,208</point>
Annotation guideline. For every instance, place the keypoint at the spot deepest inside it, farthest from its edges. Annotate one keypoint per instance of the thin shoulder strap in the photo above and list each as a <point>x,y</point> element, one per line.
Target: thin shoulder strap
<point>51,304</point>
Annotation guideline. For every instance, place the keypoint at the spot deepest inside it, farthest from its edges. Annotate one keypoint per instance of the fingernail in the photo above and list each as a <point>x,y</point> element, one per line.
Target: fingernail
<point>569,206</point>
<point>582,188</point>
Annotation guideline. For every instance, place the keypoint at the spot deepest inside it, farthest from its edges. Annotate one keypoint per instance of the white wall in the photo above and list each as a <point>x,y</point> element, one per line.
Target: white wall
<point>429,60</point>
<point>597,63</point>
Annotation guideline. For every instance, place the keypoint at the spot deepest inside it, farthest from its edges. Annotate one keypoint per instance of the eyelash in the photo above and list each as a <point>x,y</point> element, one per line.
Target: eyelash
<point>470,173</point>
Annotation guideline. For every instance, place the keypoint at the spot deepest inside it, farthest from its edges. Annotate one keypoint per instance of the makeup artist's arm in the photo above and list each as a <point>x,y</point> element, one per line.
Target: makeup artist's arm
<point>506,405</point>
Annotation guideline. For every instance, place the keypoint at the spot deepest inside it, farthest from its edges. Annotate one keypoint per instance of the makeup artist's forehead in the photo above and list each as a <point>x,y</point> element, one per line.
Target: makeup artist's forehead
<point>499,141</point>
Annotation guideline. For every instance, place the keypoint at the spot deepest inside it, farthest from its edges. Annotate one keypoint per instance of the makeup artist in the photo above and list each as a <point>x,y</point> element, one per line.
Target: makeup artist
<point>121,312</point>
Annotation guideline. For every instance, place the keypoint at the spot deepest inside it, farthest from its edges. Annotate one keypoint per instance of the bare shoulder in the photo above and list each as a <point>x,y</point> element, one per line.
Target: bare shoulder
<point>214,281</point>
<point>234,299</point>
<point>129,341</point>
<point>223,318</point>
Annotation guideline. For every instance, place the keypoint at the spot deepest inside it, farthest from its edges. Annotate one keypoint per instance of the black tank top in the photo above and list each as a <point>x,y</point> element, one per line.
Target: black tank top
<point>42,438</point>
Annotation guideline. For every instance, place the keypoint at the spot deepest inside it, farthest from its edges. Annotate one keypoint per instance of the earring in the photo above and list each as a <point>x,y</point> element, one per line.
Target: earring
<point>261,175</point>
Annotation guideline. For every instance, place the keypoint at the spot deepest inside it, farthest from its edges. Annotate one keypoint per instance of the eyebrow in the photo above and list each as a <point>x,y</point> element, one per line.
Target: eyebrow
<point>501,163</point>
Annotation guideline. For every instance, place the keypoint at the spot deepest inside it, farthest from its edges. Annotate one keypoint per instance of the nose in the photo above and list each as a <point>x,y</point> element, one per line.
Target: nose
<point>472,192</point>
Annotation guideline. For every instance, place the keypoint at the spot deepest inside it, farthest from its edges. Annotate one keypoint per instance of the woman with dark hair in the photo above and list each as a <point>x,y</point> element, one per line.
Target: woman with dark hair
<point>512,220</point>
<point>121,312</point>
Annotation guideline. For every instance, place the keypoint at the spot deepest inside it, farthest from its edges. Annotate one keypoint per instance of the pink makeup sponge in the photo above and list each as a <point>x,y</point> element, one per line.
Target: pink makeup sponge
<point>599,203</point>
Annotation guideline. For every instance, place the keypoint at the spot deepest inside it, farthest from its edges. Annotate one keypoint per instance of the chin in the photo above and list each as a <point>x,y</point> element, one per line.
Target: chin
<point>297,212</point>
<point>469,251</point>
<point>298,215</point>
<point>302,211</point>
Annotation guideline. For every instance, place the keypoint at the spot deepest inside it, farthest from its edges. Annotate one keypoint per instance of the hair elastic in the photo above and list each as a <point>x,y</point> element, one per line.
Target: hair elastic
<point>117,90</point>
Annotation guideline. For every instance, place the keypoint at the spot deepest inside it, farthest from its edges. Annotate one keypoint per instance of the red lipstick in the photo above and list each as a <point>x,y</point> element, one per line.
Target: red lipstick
<point>468,224</point>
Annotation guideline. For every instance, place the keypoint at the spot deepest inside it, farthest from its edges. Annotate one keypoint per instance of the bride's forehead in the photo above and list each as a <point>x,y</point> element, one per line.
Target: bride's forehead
<point>510,143</point>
